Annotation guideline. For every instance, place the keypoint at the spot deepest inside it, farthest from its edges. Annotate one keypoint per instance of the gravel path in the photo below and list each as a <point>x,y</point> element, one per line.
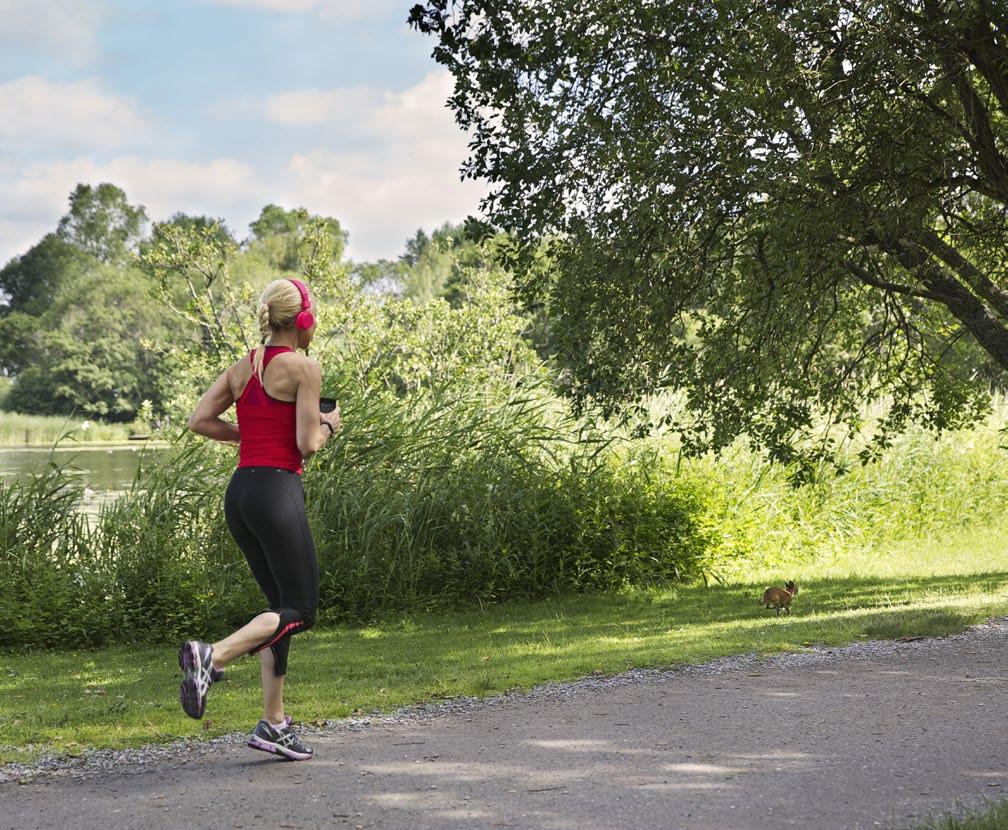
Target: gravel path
<point>877,734</point>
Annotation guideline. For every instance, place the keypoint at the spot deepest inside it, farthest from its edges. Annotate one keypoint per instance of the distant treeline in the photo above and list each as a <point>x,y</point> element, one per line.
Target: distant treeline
<point>88,327</point>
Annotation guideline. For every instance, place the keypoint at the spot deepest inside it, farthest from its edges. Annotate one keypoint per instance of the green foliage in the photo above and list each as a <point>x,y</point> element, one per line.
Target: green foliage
<point>194,266</point>
<point>281,234</point>
<point>188,262</point>
<point>17,330</point>
<point>103,223</point>
<point>992,815</point>
<point>383,276</point>
<point>83,354</point>
<point>460,477</point>
<point>922,487</point>
<point>782,211</point>
<point>436,266</point>
<point>18,430</point>
<point>47,596</point>
<point>163,582</point>
<point>33,279</point>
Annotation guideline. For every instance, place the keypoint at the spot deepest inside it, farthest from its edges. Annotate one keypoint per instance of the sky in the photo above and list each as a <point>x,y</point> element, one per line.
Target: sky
<point>219,107</point>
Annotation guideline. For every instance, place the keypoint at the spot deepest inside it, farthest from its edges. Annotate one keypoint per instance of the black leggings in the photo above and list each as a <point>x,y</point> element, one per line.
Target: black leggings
<point>265,512</point>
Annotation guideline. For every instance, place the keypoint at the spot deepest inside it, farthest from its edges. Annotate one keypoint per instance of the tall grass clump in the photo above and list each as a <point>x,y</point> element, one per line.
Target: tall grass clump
<point>470,497</point>
<point>46,594</point>
<point>924,486</point>
<point>173,567</point>
<point>459,477</point>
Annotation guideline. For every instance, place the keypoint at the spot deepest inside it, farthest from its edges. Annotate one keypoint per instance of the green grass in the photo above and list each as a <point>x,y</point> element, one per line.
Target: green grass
<point>18,430</point>
<point>63,702</point>
<point>994,817</point>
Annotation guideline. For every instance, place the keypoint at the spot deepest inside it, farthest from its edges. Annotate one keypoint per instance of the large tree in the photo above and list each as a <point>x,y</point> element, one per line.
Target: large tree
<point>281,235</point>
<point>436,266</point>
<point>99,349</point>
<point>103,223</point>
<point>30,281</point>
<point>782,209</point>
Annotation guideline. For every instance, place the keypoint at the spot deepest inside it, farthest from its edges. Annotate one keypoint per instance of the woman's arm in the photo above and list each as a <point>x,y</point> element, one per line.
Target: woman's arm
<point>205,419</point>
<point>311,435</point>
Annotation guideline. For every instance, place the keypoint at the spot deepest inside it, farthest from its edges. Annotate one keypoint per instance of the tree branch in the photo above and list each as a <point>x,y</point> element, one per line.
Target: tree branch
<point>964,305</point>
<point>981,284</point>
<point>896,288</point>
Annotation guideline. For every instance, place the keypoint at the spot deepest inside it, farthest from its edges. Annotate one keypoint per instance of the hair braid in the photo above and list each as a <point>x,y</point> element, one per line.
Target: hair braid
<point>264,330</point>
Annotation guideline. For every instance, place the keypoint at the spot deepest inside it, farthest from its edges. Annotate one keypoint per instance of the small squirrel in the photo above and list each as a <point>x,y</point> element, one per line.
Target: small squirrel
<point>779,597</point>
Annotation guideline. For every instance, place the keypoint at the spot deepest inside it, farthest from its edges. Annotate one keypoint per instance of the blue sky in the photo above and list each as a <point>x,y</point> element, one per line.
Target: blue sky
<point>219,107</point>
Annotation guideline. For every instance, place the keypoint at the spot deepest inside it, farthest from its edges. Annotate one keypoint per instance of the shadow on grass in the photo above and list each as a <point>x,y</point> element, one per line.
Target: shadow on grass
<point>660,607</point>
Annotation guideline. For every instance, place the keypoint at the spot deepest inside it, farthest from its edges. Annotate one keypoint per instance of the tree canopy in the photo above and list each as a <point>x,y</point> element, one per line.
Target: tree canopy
<point>781,209</point>
<point>103,223</point>
<point>97,349</point>
<point>281,233</point>
<point>110,317</point>
<point>436,265</point>
<point>31,280</point>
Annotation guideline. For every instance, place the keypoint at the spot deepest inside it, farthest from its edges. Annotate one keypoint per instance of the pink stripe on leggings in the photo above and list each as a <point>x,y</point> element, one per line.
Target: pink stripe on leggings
<point>280,636</point>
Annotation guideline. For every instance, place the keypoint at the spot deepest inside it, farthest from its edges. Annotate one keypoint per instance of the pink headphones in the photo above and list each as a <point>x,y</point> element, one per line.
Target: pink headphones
<point>305,319</point>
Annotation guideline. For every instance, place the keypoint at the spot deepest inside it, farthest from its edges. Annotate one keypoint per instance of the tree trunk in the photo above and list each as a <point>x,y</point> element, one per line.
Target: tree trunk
<point>964,305</point>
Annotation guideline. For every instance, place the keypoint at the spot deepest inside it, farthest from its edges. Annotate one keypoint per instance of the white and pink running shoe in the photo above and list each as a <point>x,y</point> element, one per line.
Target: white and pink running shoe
<point>282,742</point>
<point>196,662</point>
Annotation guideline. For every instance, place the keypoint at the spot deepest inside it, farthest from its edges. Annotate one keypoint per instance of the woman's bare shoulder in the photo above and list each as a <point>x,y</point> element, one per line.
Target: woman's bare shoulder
<point>299,364</point>
<point>302,360</point>
<point>238,365</point>
<point>295,358</point>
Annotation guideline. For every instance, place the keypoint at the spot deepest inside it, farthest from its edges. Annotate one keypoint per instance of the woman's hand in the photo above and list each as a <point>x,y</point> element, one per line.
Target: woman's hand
<point>333,419</point>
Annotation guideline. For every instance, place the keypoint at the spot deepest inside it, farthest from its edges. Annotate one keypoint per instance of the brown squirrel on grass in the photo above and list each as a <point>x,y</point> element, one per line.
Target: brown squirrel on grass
<point>779,597</point>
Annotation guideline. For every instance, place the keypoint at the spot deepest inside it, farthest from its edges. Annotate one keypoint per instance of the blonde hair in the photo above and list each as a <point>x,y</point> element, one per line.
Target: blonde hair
<point>279,305</point>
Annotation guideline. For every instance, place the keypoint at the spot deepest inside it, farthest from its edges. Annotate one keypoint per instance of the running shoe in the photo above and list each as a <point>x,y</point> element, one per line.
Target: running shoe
<point>281,741</point>
<point>196,662</point>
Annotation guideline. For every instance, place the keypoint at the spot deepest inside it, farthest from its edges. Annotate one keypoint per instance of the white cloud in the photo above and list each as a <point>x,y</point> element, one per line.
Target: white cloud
<point>384,163</point>
<point>66,29</point>
<point>361,9</point>
<point>420,111</point>
<point>36,113</point>
<point>406,178</point>
<point>271,5</point>
<point>35,195</point>
<point>330,9</point>
<point>311,107</point>
<point>417,112</point>
<point>382,199</point>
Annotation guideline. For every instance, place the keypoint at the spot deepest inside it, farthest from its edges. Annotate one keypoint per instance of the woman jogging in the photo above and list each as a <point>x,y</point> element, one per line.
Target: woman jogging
<point>277,395</point>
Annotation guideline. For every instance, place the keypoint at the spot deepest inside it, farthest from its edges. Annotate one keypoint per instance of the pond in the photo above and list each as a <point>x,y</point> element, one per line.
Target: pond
<point>106,471</point>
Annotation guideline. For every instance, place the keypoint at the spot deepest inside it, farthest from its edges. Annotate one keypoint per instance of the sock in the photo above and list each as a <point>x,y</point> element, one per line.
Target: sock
<point>279,727</point>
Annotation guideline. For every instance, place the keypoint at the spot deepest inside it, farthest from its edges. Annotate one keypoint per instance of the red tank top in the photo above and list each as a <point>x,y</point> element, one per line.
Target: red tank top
<point>267,426</point>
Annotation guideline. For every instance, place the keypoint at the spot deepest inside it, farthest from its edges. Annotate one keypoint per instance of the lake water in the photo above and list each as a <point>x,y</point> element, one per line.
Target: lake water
<point>106,471</point>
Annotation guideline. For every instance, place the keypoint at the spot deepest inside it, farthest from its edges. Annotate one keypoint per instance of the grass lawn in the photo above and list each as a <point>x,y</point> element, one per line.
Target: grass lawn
<point>63,702</point>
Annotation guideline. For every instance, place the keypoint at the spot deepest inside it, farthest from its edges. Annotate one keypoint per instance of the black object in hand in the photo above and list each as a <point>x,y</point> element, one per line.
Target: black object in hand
<point>326,404</point>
